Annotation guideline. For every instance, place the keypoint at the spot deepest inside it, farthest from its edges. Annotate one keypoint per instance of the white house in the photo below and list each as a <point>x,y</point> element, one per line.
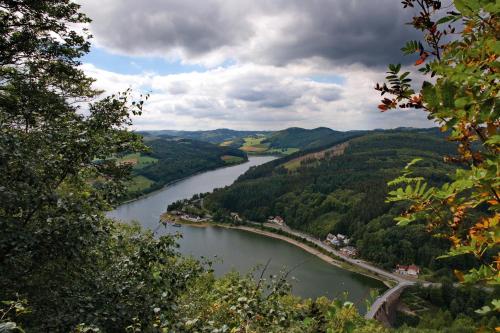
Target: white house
<point>411,270</point>
<point>349,251</point>
<point>337,240</point>
<point>278,220</point>
<point>236,217</point>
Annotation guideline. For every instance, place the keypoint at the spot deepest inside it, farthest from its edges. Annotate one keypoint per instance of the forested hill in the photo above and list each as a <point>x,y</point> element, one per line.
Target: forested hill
<point>283,142</point>
<point>343,189</point>
<point>217,136</point>
<point>170,159</point>
<point>304,139</point>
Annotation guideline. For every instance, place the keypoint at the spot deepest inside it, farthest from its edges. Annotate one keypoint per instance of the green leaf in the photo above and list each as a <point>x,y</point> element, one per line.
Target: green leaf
<point>462,102</point>
<point>445,19</point>
<point>429,94</point>
<point>494,140</point>
<point>411,47</point>
<point>466,7</point>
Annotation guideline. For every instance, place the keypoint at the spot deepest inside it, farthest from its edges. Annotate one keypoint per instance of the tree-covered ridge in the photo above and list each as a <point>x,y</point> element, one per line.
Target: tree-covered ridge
<point>174,158</point>
<point>283,142</point>
<point>304,139</point>
<point>217,136</point>
<point>346,194</point>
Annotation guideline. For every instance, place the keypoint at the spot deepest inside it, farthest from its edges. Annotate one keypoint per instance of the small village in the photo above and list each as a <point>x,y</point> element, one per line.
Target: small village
<point>410,270</point>
<point>339,242</point>
<point>174,217</point>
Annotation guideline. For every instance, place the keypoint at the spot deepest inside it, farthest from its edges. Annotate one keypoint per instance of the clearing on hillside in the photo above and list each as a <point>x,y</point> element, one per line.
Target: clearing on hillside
<point>230,159</point>
<point>336,150</point>
<point>137,160</point>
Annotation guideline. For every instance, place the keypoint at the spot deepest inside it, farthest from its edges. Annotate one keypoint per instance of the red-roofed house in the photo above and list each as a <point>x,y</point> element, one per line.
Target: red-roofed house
<point>411,270</point>
<point>278,220</point>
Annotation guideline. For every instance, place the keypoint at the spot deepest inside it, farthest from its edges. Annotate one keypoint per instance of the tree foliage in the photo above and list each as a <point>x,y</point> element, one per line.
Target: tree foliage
<point>179,158</point>
<point>345,194</point>
<point>460,52</point>
<point>64,266</point>
<point>59,255</point>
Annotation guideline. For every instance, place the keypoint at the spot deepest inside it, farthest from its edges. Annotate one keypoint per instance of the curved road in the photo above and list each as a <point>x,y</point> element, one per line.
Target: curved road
<point>402,282</point>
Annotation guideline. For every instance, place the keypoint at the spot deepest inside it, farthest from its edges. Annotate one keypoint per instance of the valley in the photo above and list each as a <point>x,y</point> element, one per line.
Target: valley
<point>311,276</point>
<point>327,183</point>
<point>249,166</point>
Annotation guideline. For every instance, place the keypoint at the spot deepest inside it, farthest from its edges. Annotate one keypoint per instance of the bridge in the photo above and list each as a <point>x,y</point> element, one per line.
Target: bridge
<point>383,308</point>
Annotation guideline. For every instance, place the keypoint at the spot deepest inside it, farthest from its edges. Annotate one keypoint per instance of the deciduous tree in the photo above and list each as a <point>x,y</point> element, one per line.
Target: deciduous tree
<point>459,57</point>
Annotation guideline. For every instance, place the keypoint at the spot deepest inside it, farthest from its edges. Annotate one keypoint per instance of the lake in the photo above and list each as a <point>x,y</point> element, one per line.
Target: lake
<point>241,250</point>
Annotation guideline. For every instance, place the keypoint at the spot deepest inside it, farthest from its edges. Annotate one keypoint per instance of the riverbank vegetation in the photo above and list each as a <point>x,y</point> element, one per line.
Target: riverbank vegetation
<point>170,159</point>
<point>167,159</point>
<point>345,193</point>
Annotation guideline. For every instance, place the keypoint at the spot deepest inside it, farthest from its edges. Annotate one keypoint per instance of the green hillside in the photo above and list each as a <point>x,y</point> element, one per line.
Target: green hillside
<point>170,159</point>
<point>342,189</point>
<point>301,139</point>
<point>283,142</point>
<point>218,136</point>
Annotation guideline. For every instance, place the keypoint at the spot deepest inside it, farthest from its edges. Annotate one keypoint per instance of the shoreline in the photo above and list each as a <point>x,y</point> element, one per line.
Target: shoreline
<point>289,240</point>
<point>305,247</point>
<point>145,195</point>
<point>300,244</point>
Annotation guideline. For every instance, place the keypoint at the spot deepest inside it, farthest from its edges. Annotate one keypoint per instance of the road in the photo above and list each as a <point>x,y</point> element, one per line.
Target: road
<point>380,301</point>
<point>401,281</point>
<point>356,262</point>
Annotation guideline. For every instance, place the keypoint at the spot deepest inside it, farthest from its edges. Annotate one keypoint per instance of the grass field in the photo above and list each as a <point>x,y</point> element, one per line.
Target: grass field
<point>226,143</point>
<point>229,159</point>
<point>137,160</point>
<point>139,183</point>
<point>254,145</point>
<point>253,141</point>
<point>283,151</point>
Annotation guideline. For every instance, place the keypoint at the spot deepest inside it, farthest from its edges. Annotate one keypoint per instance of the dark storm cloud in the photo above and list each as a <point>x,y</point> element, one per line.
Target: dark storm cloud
<point>369,32</point>
<point>156,26</point>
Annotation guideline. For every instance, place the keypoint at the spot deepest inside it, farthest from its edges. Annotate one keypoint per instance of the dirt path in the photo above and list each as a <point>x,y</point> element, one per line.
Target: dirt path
<point>303,246</point>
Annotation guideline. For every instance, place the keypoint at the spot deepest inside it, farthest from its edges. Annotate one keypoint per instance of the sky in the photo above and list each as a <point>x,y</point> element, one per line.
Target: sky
<point>251,64</point>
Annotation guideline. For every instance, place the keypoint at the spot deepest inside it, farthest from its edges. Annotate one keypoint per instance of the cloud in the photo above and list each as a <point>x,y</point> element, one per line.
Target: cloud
<point>251,96</point>
<point>269,64</point>
<point>276,32</point>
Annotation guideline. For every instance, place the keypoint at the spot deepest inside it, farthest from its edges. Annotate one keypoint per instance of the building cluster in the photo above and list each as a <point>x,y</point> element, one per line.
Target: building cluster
<point>236,217</point>
<point>188,217</point>
<point>337,240</point>
<point>349,251</point>
<point>276,219</point>
<point>411,270</point>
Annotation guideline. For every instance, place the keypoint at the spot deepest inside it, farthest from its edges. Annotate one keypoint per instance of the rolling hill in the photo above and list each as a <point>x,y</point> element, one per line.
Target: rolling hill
<point>283,142</point>
<point>174,158</point>
<point>341,188</point>
<point>218,136</point>
<point>302,139</point>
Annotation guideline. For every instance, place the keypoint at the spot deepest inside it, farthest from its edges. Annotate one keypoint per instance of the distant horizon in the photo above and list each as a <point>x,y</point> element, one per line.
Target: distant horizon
<point>251,64</point>
<point>282,129</point>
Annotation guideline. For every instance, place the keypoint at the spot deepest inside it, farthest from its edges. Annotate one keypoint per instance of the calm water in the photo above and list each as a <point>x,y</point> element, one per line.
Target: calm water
<point>241,250</point>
